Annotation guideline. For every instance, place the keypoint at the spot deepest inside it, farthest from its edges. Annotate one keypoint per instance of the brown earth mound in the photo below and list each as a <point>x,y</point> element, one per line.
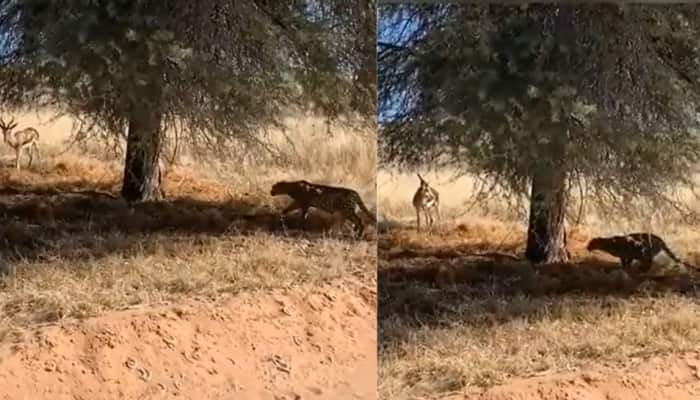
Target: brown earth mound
<point>662,378</point>
<point>301,343</point>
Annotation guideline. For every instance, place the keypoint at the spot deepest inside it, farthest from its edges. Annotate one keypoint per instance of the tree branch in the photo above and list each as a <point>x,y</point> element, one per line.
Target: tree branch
<point>394,46</point>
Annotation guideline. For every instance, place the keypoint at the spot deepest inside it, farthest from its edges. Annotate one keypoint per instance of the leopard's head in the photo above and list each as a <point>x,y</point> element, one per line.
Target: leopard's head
<point>280,187</point>
<point>289,187</point>
<point>595,244</point>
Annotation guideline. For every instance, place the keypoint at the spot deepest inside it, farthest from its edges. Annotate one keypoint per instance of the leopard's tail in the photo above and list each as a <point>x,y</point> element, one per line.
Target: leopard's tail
<point>668,251</point>
<point>684,266</point>
<point>691,267</point>
<point>364,209</point>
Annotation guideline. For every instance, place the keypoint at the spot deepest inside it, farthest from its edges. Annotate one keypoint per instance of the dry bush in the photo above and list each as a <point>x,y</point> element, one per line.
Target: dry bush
<point>459,205</point>
<point>305,151</point>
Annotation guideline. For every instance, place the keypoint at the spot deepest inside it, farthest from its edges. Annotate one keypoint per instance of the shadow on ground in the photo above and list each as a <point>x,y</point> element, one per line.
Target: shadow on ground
<point>466,282</point>
<point>75,221</point>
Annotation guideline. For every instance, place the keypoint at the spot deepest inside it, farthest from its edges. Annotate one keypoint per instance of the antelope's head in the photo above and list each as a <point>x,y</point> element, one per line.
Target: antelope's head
<point>423,184</point>
<point>7,127</point>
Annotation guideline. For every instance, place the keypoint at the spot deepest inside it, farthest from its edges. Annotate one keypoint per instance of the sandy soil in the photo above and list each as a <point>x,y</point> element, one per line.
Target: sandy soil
<point>661,378</point>
<point>305,343</point>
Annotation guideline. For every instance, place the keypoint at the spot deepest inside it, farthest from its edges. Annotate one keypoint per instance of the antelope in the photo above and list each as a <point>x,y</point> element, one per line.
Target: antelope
<point>24,140</point>
<point>425,200</point>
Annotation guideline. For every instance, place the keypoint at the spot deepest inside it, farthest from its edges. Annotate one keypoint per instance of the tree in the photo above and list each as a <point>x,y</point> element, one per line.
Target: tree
<point>540,100</point>
<point>216,72</point>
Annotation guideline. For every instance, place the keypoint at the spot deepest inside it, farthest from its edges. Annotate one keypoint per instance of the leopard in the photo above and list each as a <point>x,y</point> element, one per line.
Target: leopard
<point>331,199</point>
<point>647,248</point>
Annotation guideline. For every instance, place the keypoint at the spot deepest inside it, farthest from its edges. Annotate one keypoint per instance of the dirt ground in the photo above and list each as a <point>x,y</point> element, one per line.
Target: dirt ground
<point>671,377</point>
<point>306,343</point>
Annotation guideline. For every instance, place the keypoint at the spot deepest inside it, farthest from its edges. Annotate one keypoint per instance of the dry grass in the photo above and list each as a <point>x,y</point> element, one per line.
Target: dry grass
<point>71,250</point>
<point>459,310</point>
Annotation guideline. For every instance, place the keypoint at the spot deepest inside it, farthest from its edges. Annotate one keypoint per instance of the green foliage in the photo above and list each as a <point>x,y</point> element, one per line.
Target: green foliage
<point>217,70</point>
<point>609,94</point>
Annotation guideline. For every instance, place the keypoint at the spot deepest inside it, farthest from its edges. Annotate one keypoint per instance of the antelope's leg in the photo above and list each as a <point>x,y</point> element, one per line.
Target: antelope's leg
<point>30,152</point>
<point>36,150</point>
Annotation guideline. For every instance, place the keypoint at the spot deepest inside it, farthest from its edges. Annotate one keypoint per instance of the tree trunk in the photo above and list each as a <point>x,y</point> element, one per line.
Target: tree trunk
<point>142,176</point>
<point>546,234</point>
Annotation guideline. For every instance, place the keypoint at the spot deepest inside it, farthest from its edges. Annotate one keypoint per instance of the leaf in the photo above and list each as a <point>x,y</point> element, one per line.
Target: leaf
<point>131,35</point>
<point>163,36</point>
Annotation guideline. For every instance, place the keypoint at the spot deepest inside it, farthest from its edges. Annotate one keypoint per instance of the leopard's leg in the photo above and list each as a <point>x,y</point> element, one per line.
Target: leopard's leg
<point>646,263</point>
<point>359,226</point>
<point>626,262</point>
<point>291,207</point>
<point>288,209</point>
